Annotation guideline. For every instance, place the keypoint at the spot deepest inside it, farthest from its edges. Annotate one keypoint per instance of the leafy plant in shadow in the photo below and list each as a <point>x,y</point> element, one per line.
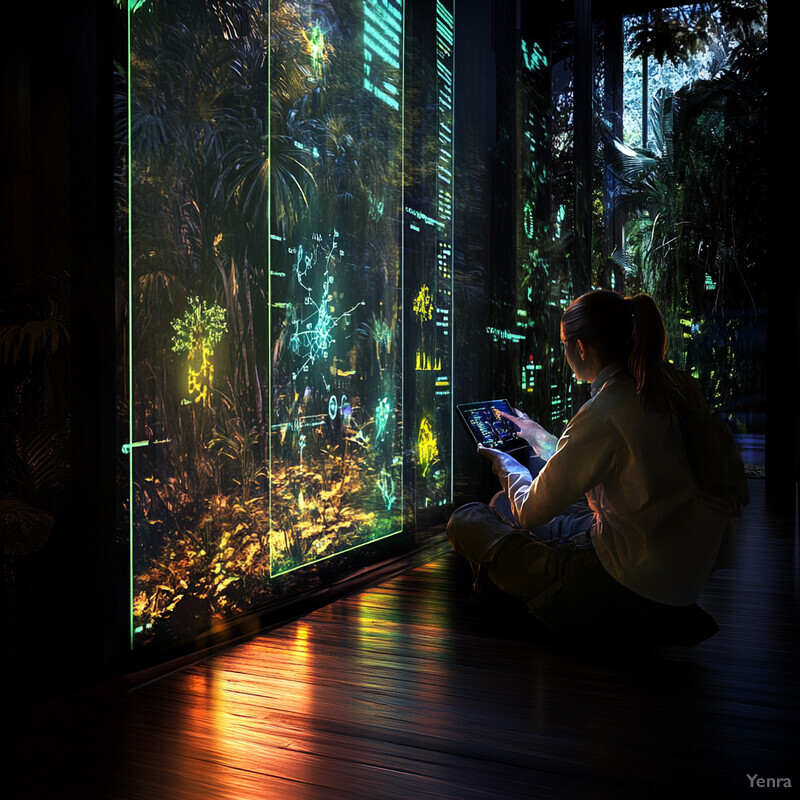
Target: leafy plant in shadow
<point>679,32</point>
<point>695,219</point>
<point>35,422</point>
<point>238,443</point>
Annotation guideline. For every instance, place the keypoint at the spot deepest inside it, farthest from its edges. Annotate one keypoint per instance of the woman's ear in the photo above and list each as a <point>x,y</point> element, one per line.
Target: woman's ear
<point>581,350</point>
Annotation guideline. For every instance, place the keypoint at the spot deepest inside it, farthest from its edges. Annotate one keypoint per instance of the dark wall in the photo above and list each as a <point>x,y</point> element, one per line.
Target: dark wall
<point>57,231</point>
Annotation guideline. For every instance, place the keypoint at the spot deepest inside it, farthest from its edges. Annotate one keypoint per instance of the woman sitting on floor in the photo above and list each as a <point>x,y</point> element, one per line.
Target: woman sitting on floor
<point>629,560</point>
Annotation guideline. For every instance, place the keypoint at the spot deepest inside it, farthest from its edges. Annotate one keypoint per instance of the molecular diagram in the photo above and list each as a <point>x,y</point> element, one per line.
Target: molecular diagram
<point>313,332</point>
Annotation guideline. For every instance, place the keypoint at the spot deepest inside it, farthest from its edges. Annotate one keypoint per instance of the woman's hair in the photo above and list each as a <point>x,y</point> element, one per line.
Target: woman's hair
<point>626,329</point>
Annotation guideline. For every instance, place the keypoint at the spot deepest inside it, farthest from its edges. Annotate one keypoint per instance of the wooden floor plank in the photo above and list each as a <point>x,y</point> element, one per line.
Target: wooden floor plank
<point>407,691</point>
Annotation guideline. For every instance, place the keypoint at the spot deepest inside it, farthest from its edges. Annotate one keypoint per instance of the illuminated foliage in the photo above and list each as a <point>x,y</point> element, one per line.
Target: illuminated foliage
<point>197,333</point>
<point>679,33</point>
<point>316,44</point>
<point>695,228</point>
<point>201,327</point>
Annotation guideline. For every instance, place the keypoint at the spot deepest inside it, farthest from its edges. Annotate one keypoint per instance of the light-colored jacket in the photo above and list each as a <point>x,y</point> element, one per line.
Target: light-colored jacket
<point>655,532</point>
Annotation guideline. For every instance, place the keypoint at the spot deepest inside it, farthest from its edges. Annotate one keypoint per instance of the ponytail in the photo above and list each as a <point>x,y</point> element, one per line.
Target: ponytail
<point>646,362</point>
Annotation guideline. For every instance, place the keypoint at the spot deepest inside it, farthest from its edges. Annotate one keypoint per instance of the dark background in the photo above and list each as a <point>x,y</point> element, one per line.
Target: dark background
<point>64,617</point>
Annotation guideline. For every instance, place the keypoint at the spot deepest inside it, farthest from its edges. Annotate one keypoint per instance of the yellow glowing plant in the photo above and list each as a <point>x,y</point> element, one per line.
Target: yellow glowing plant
<point>197,333</point>
<point>427,449</point>
<point>423,304</point>
<point>201,376</point>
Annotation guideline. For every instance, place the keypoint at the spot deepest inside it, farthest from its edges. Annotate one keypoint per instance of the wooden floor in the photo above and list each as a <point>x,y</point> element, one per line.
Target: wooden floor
<point>406,691</point>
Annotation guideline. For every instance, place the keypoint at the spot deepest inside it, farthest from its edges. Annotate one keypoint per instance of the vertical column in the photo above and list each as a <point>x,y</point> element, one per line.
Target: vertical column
<point>445,42</point>
<point>335,283</point>
<point>429,259</point>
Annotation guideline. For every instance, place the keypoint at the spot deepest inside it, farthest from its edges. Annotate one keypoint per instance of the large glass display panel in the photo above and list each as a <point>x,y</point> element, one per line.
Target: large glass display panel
<point>263,394</point>
<point>428,250</point>
<point>198,99</point>
<point>335,393</point>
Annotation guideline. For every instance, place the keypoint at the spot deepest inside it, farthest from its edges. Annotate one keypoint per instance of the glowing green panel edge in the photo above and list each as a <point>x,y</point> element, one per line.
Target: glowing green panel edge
<point>441,21</point>
<point>130,342</point>
<point>269,315</point>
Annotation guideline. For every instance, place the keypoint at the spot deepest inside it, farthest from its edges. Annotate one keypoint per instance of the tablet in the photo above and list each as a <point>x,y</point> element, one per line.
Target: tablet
<point>485,425</point>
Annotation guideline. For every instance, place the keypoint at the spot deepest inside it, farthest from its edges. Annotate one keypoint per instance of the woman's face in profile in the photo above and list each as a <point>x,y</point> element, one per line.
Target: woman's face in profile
<point>578,365</point>
<point>571,353</point>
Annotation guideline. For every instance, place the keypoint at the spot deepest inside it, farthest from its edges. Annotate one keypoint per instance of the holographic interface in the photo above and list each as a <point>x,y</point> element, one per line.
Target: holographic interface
<point>278,396</point>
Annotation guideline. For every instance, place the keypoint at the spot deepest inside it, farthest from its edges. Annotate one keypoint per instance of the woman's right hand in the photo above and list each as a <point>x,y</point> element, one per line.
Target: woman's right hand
<point>542,442</point>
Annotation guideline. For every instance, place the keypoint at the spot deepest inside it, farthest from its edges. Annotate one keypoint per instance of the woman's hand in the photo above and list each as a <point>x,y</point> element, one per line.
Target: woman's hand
<point>502,463</point>
<point>542,442</point>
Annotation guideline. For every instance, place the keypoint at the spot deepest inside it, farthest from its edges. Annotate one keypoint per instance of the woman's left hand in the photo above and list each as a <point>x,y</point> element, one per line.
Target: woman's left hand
<point>502,463</point>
